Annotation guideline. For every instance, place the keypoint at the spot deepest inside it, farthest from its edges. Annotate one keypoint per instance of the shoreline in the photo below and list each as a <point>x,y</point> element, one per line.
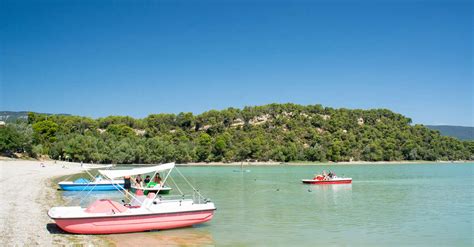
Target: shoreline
<point>24,213</point>
<point>263,163</point>
<point>297,163</point>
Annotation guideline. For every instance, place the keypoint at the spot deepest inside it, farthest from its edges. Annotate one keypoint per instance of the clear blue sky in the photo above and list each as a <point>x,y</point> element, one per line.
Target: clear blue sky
<point>99,58</point>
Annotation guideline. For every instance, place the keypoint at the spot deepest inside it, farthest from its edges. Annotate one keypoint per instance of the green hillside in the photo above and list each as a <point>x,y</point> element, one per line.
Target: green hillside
<point>278,132</point>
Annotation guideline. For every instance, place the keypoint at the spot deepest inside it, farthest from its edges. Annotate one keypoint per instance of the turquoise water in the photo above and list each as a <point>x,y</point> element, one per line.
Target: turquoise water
<point>386,205</point>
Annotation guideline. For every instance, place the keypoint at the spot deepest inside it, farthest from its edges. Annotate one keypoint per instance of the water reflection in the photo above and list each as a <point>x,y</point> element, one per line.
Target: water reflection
<point>192,236</point>
<point>332,194</point>
<point>331,187</point>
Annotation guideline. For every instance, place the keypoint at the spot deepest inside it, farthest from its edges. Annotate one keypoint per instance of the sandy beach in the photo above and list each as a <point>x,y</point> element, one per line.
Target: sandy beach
<point>27,194</point>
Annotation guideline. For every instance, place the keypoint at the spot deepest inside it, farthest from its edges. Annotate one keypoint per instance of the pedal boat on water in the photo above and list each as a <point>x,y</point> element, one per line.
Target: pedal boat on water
<point>98,184</point>
<point>319,179</point>
<point>152,188</point>
<point>144,213</point>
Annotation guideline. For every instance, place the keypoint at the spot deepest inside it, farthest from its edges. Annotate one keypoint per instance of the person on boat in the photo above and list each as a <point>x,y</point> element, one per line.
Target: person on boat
<point>138,180</point>
<point>127,186</point>
<point>147,180</point>
<point>157,179</point>
<point>318,177</point>
<point>325,175</point>
<point>330,174</point>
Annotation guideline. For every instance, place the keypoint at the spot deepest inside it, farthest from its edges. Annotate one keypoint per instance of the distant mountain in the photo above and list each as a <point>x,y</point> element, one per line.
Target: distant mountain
<point>460,132</point>
<point>13,116</point>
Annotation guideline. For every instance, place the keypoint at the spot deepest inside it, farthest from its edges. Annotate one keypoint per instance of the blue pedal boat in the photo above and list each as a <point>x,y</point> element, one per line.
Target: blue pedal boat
<point>83,184</point>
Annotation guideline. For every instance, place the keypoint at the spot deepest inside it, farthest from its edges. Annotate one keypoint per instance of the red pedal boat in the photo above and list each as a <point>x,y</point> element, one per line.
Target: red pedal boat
<point>319,179</point>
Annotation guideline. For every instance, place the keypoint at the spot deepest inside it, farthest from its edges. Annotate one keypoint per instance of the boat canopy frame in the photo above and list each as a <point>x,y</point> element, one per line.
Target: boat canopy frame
<point>86,168</point>
<point>113,174</point>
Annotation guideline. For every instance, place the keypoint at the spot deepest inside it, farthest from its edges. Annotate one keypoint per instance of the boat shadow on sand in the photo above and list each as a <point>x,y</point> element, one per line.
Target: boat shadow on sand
<point>54,229</point>
<point>185,236</point>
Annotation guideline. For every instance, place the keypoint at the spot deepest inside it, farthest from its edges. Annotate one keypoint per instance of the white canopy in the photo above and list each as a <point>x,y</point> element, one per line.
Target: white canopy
<point>136,171</point>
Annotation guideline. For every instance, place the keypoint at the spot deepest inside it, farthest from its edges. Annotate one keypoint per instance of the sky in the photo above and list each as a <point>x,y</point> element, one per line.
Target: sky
<point>100,58</point>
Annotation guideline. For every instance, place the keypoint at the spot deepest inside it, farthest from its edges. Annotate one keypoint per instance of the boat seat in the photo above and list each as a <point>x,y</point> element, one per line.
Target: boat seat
<point>106,206</point>
<point>137,201</point>
<point>148,200</point>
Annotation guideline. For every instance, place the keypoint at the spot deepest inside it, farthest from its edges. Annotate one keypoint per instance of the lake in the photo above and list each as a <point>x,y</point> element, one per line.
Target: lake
<point>386,205</point>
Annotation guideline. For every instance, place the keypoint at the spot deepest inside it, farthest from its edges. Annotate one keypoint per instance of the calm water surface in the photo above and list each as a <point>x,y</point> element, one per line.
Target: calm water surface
<point>429,205</point>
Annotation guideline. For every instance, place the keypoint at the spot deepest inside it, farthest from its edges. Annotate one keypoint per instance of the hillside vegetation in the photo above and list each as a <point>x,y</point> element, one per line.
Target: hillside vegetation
<point>278,132</point>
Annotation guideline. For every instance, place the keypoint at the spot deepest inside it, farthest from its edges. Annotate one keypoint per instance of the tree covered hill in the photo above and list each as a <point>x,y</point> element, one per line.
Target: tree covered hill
<point>278,132</point>
<point>460,132</point>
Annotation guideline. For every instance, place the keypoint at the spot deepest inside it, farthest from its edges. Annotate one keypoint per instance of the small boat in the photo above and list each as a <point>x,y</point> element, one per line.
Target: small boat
<point>144,213</point>
<point>241,168</point>
<point>319,179</point>
<point>98,183</point>
<point>152,187</point>
<point>82,184</point>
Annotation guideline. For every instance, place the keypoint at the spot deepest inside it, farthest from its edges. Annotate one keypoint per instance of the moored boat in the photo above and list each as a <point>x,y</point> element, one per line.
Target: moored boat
<point>144,213</point>
<point>152,188</point>
<point>107,217</point>
<point>97,185</point>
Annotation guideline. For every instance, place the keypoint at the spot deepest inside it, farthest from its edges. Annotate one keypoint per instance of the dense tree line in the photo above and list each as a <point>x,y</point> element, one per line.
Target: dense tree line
<point>278,132</point>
